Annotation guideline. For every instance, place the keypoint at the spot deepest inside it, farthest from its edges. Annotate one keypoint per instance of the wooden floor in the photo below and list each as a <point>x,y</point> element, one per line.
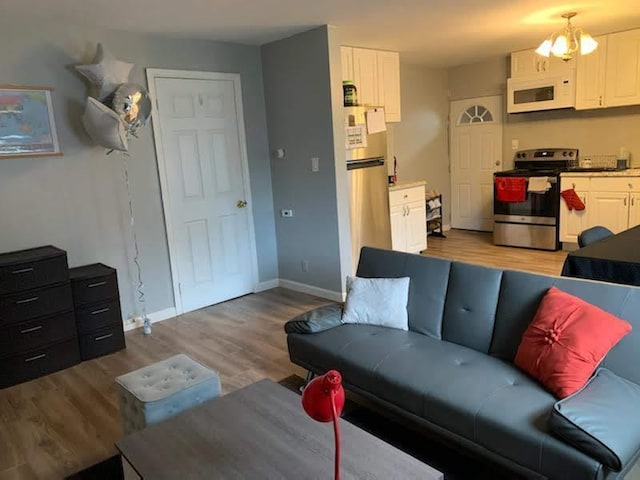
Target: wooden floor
<point>56,425</point>
<point>478,247</point>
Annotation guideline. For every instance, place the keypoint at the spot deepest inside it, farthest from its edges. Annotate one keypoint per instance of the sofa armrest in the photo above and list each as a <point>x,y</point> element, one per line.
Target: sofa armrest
<point>602,419</point>
<point>317,320</point>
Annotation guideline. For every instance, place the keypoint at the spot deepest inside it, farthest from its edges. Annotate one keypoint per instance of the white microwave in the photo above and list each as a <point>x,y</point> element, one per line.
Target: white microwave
<point>530,94</point>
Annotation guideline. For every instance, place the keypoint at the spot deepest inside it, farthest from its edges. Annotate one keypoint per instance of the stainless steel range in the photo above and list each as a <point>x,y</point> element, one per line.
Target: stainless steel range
<point>530,218</point>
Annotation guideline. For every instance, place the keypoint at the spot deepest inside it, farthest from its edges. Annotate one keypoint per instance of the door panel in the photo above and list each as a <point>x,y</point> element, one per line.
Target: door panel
<point>609,209</point>
<point>572,222</point>
<point>203,167</point>
<point>416,221</point>
<point>476,153</point>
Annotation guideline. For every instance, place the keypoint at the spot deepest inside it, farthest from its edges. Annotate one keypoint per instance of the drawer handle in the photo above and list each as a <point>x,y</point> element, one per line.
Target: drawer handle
<point>30,330</point>
<point>102,310</point>
<point>104,337</point>
<point>37,357</point>
<point>27,300</point>
<point>97,284</point>
<point>22,270</point>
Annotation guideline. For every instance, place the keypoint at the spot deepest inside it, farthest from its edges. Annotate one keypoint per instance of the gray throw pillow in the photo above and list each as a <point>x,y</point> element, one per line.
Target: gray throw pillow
<point>377,301</point>
<point>316,320</point>
<point>602,419</point>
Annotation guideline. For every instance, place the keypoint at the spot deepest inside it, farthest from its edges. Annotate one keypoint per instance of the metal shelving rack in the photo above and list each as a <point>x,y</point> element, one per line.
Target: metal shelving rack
<point>434,216</point>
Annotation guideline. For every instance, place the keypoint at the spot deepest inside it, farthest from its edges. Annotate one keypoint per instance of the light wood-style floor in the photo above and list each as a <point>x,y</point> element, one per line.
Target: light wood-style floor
<point>59,424</point>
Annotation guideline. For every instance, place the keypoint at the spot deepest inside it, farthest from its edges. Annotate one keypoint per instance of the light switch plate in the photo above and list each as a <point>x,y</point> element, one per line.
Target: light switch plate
<point>315,164</point>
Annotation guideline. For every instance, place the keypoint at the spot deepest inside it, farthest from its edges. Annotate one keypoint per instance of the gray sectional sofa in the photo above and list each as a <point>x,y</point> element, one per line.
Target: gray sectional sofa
<point>452,372</point>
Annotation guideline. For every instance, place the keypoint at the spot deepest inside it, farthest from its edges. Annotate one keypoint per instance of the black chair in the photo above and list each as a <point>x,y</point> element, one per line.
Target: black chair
<point>593,234</point>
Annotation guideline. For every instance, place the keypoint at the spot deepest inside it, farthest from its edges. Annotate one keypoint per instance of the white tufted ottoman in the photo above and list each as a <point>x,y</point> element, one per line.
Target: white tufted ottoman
<point>164,389</point>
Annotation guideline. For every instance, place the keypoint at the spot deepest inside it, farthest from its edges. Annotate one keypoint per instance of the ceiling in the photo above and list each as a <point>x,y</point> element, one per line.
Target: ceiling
<point>432,32</point>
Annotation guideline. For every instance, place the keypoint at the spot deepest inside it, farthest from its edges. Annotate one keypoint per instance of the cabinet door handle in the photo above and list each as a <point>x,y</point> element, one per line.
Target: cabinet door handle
<point>633,201</point>
<point>538,66</point>
<point>22,270</point>
<point>102,310</point>
<point>37,357</point>
<point>625,201</point>
<point>584,200</point>
<point>600,100</point>
<point>104,337</point>
<point>27,300</point>
<point>97,284</point>
<point>30,330</point>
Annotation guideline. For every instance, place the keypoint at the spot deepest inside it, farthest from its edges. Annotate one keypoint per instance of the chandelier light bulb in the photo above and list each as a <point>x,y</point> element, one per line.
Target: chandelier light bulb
<point>560,46</point>
<point>587,44</point>
<point>545,48</point>
<point>568,42</point>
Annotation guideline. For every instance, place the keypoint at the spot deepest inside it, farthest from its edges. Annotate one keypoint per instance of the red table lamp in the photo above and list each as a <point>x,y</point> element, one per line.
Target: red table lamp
<point>323,400</point>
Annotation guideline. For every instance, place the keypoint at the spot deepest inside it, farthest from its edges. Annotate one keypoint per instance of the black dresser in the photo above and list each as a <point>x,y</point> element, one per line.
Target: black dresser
<point>97,307</point>
<point>37,328</point>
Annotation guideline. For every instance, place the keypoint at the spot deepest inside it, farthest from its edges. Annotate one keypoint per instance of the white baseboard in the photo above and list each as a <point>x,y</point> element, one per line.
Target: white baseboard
<point>311,290</point>
<point>268,285</point>
<point>136,322</point>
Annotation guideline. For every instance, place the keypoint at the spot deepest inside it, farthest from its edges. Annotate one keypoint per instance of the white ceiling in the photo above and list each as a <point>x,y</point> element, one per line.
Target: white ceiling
<point>432,32</point>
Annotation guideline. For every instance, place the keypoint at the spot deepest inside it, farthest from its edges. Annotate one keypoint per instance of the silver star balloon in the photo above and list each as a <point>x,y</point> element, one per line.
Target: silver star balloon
<point>106,73</point>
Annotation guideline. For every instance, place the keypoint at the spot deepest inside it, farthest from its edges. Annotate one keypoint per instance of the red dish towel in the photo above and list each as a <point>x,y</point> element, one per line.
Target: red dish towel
<point>572,199</point>
<point>511,189</point>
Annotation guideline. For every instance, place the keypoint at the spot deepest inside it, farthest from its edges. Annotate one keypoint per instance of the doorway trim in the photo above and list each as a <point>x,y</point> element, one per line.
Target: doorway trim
<point>152,75</point>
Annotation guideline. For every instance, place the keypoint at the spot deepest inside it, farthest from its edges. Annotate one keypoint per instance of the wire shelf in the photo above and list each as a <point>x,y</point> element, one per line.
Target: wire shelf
<point>598,161</point>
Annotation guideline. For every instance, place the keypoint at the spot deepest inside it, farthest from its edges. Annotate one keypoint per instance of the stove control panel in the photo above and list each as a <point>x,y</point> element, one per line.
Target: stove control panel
<point>548,154</point>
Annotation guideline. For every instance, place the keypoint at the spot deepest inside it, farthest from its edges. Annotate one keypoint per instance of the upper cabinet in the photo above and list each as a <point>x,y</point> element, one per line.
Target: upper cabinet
<point>527,63</point>
<point>376,75</point>
<point>610,76</point>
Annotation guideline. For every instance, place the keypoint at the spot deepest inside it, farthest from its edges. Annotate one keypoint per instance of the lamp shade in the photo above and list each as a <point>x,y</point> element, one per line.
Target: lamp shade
<point>323,400</point>
<point>587,44</point>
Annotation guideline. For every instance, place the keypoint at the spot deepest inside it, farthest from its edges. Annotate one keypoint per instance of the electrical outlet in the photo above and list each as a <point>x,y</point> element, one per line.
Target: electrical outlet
<point>515,144</point>
<point>315,164</point>
<point>286,212</point>
<point>305,265</point>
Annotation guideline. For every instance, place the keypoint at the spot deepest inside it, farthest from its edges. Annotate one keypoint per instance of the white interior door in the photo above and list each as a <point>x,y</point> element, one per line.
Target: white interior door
<point>205,187</point>
<point>476,153</point>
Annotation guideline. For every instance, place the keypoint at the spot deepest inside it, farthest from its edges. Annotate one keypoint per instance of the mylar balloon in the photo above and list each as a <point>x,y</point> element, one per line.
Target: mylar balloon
<point>132,104</point>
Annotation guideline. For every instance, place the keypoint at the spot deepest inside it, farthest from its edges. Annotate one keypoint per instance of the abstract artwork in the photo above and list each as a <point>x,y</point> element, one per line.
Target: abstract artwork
<point>27,126</point>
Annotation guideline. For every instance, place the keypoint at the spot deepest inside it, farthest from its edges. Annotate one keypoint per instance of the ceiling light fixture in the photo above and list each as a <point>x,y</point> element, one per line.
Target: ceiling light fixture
<point>569,41</point>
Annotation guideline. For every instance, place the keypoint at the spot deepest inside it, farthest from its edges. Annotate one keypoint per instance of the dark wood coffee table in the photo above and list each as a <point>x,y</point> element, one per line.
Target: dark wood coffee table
<point>261,432</point>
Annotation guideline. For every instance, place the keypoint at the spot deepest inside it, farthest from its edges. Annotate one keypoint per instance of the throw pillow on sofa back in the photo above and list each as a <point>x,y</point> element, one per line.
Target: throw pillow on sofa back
<point>566,341</point>
<point>377,301</point>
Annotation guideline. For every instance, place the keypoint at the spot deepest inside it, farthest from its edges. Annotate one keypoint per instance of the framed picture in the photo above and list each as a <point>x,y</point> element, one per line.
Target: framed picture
<point>27,126</point>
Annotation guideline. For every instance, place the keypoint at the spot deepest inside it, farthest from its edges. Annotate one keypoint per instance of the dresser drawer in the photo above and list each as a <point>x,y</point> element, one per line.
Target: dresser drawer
<point>38,362</point>
<point>33,274</point>
<point>25,336</point>
<point>102,342</point>
<point>35,303</point>
<point>98,315</point>
<point>406,195</point>
<point>95,289</point>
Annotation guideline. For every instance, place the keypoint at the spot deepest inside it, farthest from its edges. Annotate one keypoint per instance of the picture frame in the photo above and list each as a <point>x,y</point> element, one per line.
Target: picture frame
<point>27,123</point>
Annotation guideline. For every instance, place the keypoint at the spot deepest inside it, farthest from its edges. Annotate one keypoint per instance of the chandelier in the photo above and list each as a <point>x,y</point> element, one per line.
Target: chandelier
<point>569,41</point>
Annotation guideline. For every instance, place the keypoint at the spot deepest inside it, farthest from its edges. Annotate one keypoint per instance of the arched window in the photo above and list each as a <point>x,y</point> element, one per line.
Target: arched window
<point>475,114</point>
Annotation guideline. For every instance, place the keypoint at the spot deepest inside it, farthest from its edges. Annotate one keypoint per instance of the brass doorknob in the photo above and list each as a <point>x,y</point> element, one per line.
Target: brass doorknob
<point>241,203</point>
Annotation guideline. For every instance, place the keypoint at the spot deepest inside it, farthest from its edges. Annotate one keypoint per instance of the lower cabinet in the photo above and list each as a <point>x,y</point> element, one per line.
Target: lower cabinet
<point>611,202</point>
<point>408,212</point>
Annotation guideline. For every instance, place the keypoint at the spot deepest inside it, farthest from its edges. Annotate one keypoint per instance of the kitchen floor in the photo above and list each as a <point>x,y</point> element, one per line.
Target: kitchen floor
<point>478,247</point>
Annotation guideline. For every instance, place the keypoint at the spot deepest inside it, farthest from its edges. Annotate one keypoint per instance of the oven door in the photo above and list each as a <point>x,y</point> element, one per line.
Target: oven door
<point>538,208</point>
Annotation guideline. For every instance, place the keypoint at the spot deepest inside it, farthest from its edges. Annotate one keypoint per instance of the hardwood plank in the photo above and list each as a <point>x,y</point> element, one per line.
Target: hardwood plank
<point>478,247</point>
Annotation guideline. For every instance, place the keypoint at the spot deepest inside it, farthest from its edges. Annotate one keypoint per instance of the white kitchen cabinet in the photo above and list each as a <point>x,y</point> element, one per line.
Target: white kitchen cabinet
<point>634,209</point>
<point>376,75</point>
<point>622,84</point>
<point>572,222</point>
<point>365,75</point>
<point>346,55</point>
<point>389,84</point>
<point>527,63</point>
<point>408,214</point>
<point>609,209</point>
<point>590,77</point>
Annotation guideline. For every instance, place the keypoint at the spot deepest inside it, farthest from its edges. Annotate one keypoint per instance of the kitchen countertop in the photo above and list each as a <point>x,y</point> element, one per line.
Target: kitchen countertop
<point>403,185</point>
<point>631,172</point>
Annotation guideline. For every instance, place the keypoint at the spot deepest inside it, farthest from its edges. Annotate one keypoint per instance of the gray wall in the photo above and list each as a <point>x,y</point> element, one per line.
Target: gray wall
<point>594,132</point>
<point>298,93</point>
<point>78,201</point>
<point>420,141</point>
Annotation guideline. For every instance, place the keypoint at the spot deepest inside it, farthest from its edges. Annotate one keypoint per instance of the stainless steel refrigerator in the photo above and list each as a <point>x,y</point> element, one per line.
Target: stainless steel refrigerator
<point>368,180</point>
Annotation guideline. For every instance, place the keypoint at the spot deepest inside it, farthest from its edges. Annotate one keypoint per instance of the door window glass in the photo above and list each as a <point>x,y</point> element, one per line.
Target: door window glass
<point>475,114</point>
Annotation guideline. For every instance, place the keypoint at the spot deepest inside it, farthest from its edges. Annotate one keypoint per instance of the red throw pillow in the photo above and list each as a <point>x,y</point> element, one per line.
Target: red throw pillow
<point>566,341</point>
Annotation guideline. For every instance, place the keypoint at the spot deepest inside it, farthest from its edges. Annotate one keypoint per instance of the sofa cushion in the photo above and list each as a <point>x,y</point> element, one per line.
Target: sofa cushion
<point>472,395</point>
<point>602,419</point>
<point>470,307</point>
<point>566,341</point>
<point>377,301</point>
